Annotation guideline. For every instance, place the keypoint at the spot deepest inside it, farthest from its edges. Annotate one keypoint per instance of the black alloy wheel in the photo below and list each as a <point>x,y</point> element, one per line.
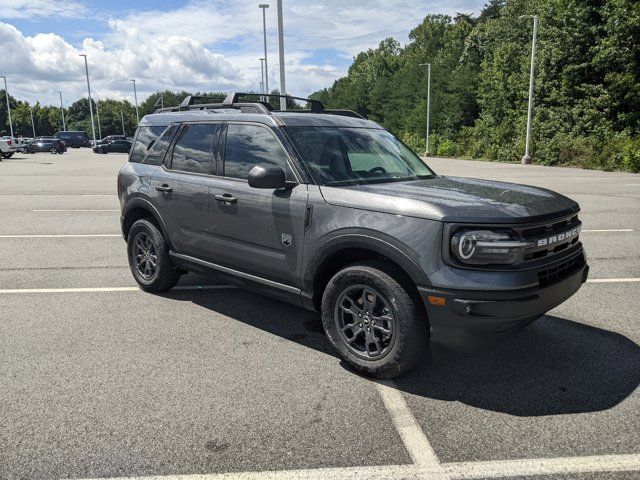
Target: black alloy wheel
<point>146,260</point>
<point>365,321</point>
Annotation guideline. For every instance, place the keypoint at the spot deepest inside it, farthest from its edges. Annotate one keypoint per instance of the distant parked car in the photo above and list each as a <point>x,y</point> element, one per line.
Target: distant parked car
<point>110,138</point>
<point>122,146</point>
<point>74,139</point>
<point>6,147</point>
<point>44,144</point>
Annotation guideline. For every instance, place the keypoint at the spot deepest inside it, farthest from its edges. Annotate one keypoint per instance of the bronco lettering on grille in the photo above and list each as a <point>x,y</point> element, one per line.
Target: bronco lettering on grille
<point>561,237</point>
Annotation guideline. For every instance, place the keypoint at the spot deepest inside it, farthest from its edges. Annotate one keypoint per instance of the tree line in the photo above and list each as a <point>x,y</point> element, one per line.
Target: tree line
<point>48,118</point>
<point>587,84</point>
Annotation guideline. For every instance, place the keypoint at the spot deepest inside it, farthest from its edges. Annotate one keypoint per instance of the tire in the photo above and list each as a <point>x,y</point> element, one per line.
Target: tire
<point>7,155</point>
<point>409,339</point>
<point>144,237</point>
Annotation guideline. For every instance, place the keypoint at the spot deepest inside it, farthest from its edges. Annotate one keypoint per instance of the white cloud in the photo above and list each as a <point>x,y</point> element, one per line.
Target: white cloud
<point>13,9</point>
<point>204,45</point>
<point>40,65</point>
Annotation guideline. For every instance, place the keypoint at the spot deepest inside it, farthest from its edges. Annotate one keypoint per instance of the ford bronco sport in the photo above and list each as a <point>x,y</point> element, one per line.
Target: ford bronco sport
<point>329,211</point>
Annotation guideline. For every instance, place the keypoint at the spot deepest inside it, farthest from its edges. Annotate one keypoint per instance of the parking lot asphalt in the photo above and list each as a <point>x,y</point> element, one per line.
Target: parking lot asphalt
<point>101,380</point>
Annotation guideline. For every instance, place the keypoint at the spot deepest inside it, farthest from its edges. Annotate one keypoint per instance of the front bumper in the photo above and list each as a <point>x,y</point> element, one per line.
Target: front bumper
<point>472,312</point>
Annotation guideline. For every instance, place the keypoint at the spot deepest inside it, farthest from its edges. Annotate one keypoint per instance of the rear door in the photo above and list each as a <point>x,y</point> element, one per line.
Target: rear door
<point>181,188</point>
<point>258,231</point>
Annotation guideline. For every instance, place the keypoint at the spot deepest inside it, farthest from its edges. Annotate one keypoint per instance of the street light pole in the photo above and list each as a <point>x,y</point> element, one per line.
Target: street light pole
<point>262,82</point>
<point>64,126</point>
<point>86,68</point>
<point>283,88</point>
<point>122,120</point>
<point>33,125</point>
<point>135,95</point>
<point>6,92</point>
<point>264,7</point>
<point>428,65</point>
<point>526,160</point>
<point>98,118</point>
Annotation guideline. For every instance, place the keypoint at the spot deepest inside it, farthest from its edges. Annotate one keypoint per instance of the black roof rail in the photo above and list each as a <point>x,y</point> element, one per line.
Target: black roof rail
<point>232,101</point>
<point>316,105</point>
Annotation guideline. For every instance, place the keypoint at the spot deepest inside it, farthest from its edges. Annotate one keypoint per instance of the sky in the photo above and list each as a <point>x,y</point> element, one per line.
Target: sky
<point>195,45</point>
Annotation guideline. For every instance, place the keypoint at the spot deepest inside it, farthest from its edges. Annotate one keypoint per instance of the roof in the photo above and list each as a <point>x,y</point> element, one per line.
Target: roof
<point>276,119</point>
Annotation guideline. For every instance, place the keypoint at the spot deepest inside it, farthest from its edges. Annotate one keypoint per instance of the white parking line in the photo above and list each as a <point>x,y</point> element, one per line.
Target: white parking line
<point>457,470</point>
<point>78,210</point>
<point>414,439</point>
<point>88,235</point>
<point>107,289</point>
<point>544,466</point>
<point>613,230</point>
<point>613,280</point>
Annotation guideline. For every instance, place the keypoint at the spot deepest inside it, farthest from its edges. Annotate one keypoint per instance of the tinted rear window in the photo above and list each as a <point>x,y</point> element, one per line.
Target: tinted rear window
<point>193,149</point>
<point>144,138</point>
<point>156,153</point>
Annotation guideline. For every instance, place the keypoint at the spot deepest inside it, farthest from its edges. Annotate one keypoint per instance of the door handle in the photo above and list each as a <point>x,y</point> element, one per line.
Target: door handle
<point>164,188</point>
<point>225,198</point>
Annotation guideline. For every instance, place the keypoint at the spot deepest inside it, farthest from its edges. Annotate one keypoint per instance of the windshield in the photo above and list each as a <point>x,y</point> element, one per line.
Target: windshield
<point>355,156</point>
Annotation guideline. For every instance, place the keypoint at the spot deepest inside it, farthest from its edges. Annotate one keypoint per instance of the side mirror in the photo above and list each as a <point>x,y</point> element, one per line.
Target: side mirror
<point>264,176</point>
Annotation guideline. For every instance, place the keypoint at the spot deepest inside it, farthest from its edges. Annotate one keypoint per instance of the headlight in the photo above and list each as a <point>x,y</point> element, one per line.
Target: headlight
<point>486,247</point>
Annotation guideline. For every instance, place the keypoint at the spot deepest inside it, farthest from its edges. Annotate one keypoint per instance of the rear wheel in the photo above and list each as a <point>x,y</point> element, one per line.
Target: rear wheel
<point>7,155</point>
<point>149,258</point>
<point>373,322</point>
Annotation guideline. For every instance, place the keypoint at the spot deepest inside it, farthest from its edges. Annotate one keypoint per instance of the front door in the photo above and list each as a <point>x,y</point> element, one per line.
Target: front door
<point>258,231</point>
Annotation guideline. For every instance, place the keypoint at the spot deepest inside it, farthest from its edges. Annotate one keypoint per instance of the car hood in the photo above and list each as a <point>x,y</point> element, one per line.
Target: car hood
<point>455,199</point>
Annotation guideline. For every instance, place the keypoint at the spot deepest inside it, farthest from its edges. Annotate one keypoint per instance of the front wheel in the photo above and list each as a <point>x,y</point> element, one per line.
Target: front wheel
<point>149,258</point>
<point>372,320</point>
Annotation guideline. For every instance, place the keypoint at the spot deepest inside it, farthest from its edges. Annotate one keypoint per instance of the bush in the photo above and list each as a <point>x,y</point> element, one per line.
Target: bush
<point>414,141</point>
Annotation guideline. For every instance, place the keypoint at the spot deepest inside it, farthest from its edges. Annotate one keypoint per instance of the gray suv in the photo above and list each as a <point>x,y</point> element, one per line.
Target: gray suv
<point>329,211</point>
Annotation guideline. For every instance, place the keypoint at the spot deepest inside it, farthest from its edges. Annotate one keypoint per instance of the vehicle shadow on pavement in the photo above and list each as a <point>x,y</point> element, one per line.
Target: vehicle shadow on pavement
<point>270,315</point>
<point>554,366</point>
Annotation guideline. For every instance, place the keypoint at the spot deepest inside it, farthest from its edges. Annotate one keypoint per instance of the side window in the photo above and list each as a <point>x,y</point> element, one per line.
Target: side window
<point>251,145</point>
<point>141,144</point>
<point>156,146</point>
<point>193,149</point>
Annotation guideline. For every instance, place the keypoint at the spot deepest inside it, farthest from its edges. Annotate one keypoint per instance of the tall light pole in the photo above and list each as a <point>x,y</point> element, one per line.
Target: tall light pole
<point>135,96</point>
<point>262,82</point>
<point>64,126</point>
<point>526,160</point>
<point>6,92</point>
<point>86,68</point>
<point>98,118</point>
<point>428,65</point>
<point>283,88</point>
<point>122,120</point>
<point>264,7</point>
<point>33,125</point>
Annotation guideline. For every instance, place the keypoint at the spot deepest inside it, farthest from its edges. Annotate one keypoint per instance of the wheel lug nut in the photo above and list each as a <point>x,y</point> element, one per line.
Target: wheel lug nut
<point>359,315</point>
<point>360,325</point>
<point>368,329</point>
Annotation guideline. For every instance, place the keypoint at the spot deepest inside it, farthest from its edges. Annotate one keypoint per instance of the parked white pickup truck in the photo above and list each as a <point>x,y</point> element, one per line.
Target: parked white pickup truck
<point>6,147</point>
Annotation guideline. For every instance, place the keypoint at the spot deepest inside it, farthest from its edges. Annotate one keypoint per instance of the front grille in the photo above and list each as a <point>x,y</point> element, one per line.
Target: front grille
<point>560,272</point>
<point>549,231</point>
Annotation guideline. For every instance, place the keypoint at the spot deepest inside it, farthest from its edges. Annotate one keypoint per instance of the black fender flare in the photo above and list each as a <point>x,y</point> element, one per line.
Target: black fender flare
<point>376,242</point>
<point>143,203</point>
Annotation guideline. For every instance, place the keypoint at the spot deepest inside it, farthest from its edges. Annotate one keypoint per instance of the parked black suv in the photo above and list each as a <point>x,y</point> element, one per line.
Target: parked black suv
<point>115,145</point>
<point>74,139</point>
<point>329,211</point>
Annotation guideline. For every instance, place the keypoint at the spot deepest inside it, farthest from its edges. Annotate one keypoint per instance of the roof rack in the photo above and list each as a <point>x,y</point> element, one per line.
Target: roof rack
<point>232,101</point>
